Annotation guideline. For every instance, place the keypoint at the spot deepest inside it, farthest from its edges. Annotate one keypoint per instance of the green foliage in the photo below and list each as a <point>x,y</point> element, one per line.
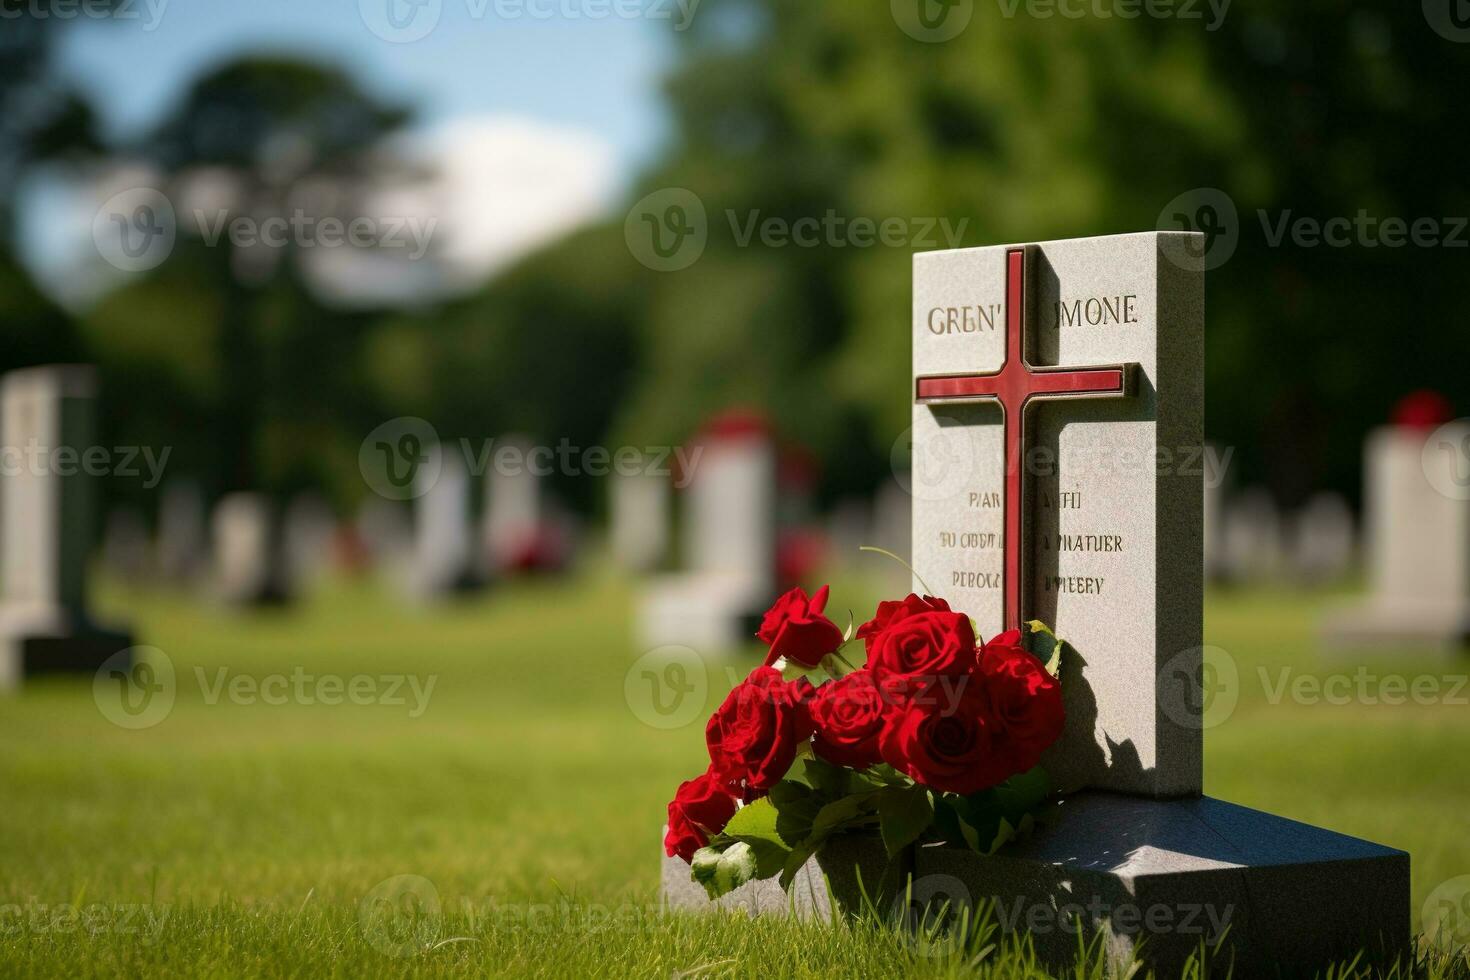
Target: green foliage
<point>987,820</point>
<point>904,813</point>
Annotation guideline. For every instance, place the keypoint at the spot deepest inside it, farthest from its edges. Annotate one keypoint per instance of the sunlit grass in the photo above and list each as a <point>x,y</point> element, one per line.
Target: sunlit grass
<point>528,794</point>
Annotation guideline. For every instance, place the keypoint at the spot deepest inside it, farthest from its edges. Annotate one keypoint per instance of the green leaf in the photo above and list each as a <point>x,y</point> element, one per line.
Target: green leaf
<point>796,810</point>
<point>754,821</point>
<point>1021,795</point>
<point>755,826</point>
<point>835,816</point>
<point>1038,640</point>
<point>903,814</point>
<point>727,864</point>
<point>988,819</point>
<point>830,781</point>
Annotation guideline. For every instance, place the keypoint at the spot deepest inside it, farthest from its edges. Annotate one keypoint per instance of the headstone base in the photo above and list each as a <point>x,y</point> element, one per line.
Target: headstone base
<point>708,612</point>
<point>26,654</point>
<point>1380,625</point>
<point>1289,898</point>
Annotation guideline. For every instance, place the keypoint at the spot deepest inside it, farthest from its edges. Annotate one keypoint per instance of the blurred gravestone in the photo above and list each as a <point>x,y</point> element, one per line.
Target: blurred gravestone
<point>442,560</point>
<point>310,539</point>
<point>1417,539</point>
<point>1251,537</point>
<point>181,549</point>
<point>1322,544</point>
<point>521,532</point>
<point>385,528</point>
<point>729,545</point>
<point>640,519</point>
<point>249,567</point>
<point>48,513</point>
<point>125,546</point>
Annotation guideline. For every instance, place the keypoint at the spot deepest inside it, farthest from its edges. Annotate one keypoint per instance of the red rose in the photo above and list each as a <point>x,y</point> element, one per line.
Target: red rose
<point>892,612</point>
<point>1025,702</point>
<point>753,736</point>
<point>795,628</point>
<point>1010,638</point>
<point>699,809</point>
<point>914,651</point>
<point>948,747</point>
<point>847,715</point>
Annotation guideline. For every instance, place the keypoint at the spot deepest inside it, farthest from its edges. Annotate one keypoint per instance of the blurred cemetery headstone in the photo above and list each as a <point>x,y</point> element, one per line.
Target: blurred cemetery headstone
<point>729,542</point>
<point>1416,475</point>
<point>181,550</point>
<point>524,529</point>
<point>126,546</point>
<point>310,543</point>
<point>48,519</point>
<point>640,519</point>
<point>1322,541</point>
<point>1252,537</point>
<point>249,565</point>
<point>442,561</point>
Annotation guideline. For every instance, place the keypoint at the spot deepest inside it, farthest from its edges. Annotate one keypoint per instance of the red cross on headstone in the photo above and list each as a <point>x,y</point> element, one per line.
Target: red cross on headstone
<point>1016,387</point>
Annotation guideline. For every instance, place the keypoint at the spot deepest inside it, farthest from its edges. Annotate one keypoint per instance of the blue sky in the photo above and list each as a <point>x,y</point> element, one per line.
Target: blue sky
<point>556,61</point>
<point>579,84</point>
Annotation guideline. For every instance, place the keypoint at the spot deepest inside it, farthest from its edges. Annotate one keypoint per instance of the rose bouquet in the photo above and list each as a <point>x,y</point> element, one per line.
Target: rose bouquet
<point>936,737</point>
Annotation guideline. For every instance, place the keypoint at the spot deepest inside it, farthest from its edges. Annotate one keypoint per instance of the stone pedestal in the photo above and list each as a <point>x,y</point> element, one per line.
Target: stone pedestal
<point>1287,898</point>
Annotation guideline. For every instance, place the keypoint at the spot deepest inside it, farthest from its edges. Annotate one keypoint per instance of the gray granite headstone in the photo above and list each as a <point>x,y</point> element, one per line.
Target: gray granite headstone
<point>1112,492</point>
<point>49,518</point>
<point>1110,530</point>
<point>1417,536</point>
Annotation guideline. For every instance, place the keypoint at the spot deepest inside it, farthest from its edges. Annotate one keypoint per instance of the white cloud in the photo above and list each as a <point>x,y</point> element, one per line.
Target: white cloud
<point>507,186</point>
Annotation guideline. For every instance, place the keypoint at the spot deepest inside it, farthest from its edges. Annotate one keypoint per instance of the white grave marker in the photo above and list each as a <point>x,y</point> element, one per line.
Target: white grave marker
<point>48,513</point>
<point>1417,531</point>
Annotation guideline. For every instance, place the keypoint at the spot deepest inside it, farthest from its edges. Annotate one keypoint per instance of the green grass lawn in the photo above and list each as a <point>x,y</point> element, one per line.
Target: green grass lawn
<point>241,837</point>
